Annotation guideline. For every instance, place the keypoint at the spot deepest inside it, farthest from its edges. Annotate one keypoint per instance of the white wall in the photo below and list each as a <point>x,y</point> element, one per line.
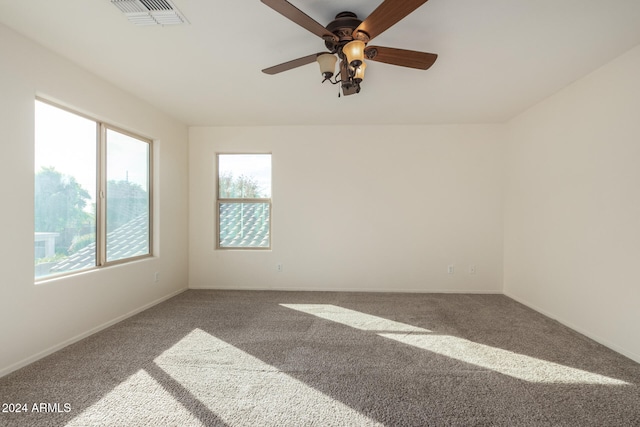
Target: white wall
<point>572,206</point>
<point>377,208</point>
<point>385,214</point>
<point>36,319</point>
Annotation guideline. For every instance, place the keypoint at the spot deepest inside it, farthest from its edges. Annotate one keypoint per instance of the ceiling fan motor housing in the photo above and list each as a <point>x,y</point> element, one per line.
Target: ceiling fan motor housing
<point>342,26</point>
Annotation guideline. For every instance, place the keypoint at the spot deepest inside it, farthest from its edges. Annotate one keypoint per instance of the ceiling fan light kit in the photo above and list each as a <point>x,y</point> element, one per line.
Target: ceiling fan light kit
<point>352,66</point>
<point>327,62</point>
<point>354,52</point>
<point>359,74</point>
<point>346,38</point>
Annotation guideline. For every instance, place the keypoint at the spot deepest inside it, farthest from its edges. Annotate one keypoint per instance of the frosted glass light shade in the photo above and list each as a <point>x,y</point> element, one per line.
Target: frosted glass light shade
<point>359,75</point>
<point>354,51</point>
<point>327,64</point>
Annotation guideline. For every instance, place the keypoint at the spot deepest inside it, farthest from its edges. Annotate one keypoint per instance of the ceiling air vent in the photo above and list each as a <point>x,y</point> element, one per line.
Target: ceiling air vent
<point>150,12</point>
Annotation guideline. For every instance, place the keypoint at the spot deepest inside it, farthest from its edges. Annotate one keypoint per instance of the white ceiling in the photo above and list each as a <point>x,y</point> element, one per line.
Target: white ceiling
<point>496,57</point>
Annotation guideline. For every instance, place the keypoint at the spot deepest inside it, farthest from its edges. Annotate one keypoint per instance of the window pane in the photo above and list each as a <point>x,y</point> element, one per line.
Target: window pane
<point>244,225</point>
<point>127,196</point>
<point>65,190</point>
<point>243,176</point>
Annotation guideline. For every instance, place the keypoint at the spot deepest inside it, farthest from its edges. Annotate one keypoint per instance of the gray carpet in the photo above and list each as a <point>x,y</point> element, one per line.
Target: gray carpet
<point>240,358</point>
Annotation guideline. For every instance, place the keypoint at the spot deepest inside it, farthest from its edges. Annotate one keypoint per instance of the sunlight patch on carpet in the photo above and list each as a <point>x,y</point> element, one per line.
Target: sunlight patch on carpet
<point>238,387</point>
<point>506,362</point>
<point>354,319</point>
<point>141,398</point>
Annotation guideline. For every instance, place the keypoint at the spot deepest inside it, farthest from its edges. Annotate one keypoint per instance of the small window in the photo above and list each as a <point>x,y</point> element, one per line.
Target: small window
<point>92,193</point>
<point>244,201</point>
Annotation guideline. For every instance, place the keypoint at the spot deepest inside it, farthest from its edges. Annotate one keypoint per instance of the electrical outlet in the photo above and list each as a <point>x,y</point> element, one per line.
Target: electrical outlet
<point>472,269</point>
<point>279,267</point>
<point>156,277</point>
<point>450,269</point>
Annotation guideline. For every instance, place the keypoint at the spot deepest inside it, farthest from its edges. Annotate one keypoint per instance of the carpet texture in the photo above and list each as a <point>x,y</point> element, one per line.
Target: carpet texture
<point>253,358</point>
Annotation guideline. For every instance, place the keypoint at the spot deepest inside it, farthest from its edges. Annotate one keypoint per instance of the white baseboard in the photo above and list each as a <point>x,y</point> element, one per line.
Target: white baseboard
<point>60,346</point>
<point>588,334</point>
<point>376,290</point>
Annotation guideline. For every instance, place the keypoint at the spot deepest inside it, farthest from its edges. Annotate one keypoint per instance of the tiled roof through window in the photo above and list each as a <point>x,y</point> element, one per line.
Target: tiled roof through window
<point>128,240</point>
<point>241,225</point>
<point>244,225</point>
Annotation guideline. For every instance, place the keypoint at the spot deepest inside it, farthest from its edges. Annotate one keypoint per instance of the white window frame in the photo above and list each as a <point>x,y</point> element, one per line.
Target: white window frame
<point>101,189</point>
<point>220,201</point>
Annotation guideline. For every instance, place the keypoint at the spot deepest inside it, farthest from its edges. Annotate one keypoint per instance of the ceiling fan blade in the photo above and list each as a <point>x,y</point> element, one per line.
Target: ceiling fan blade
<point>401,57</point>
<point>288,10</point>
<point>387,14</point>
<point>286,66</point>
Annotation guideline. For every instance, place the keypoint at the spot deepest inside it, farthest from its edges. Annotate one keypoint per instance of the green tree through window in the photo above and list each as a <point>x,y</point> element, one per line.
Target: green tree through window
<point>60,207</point>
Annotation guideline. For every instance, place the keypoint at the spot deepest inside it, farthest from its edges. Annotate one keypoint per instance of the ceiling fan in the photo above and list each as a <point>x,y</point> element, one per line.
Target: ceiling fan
<point>347,37</point>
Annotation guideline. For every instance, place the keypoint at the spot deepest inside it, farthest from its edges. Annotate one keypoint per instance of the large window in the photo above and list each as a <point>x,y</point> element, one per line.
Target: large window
<point>92,193</point>
<point>244,201</point>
